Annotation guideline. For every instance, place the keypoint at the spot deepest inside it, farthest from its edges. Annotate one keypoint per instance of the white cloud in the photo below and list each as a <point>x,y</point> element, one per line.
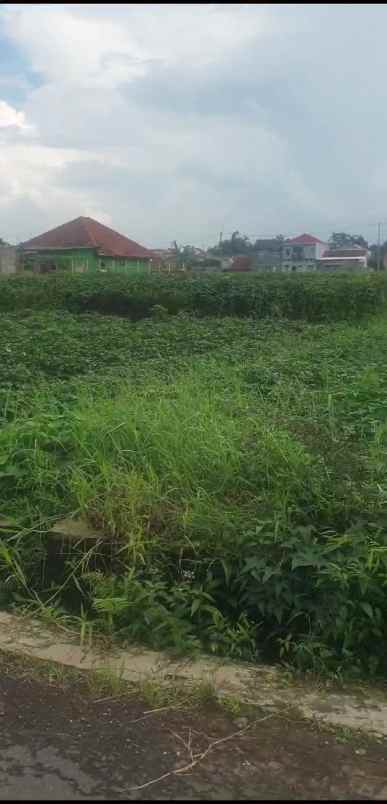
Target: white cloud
<point>28,176</point>
<point>170,120</point>
<point>11,117</point>
<point>75,45</point>
<point>67,49</point>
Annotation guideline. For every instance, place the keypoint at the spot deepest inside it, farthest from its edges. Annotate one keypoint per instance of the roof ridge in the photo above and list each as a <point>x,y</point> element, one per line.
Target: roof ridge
<point>86,220</point>
<point>85,232</point>
<point>303,236</point>
<point>100,225</point>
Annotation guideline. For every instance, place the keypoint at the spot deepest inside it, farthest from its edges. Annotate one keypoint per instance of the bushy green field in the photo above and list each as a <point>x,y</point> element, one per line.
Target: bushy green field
<point>236,468</point>
<point>307,297</point>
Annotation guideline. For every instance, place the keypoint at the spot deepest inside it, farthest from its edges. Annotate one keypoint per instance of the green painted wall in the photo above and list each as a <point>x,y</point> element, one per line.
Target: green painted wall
<point>122,266</point>
<point>83,260</point>
<point>70,260</point>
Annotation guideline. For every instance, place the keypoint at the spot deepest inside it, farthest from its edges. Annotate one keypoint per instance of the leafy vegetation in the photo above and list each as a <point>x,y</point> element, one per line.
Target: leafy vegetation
<point>236,468</point>
<point>308,297</point>
<point>344,240</point>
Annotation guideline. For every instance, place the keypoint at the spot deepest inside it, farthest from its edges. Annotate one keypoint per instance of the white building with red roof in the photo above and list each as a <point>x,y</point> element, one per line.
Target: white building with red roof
<point>301,253</point>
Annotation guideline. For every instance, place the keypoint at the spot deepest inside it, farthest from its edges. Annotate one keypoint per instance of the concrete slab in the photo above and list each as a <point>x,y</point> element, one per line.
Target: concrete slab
<point>260,685</point>
<point>74,530</point>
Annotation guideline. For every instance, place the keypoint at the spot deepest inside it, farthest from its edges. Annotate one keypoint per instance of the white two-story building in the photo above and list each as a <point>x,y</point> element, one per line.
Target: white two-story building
<point>301,253</point>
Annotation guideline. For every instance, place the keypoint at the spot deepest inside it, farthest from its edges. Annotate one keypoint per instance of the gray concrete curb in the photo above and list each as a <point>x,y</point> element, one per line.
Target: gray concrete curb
<point>365,709</point>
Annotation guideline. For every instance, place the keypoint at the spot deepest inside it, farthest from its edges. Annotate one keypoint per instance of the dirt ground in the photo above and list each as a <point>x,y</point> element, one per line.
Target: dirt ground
<point>59,741</point>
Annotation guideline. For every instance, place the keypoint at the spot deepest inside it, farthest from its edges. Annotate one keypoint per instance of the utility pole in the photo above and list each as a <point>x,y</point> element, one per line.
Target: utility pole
<point>378,257</point>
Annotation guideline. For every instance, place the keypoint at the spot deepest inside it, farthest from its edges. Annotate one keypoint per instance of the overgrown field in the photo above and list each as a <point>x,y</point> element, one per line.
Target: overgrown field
<point>236,467</point>
<point>308,297</point>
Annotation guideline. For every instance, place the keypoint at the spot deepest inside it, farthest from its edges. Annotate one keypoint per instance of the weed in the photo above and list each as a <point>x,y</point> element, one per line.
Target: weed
<point>107,682</point>
<point>344,734</point>
<point>204,694</point>
<point>235,468</point>
<point>156,695</point>
<point>232,705</point>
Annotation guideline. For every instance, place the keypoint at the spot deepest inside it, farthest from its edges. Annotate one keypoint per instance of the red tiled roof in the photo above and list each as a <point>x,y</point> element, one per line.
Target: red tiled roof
<point>88,233</point>
<point>304,240</point>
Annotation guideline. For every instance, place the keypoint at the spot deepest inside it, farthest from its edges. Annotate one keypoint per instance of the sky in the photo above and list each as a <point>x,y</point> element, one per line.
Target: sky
<point>179,121</point>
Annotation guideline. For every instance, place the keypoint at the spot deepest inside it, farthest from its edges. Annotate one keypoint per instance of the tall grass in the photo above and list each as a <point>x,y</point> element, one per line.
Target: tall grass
<point>243,515</point>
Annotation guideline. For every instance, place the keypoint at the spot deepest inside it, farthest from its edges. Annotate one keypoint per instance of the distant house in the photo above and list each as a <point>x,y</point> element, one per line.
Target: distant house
<point>301,253</point>
<point>164,255</point>
<point>242,263</point>
<point>190,258</point>
<point>8,259</point>
<point>226,263</point>
<point>267,254</point>
<point>239,264</point>
<point>83,245</point>
<point>208,263</point>
<point>200,253</point>
<point>344,259</point>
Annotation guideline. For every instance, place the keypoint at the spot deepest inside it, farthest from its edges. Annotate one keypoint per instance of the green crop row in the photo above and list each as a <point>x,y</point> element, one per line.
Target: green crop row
<point>312,297</point>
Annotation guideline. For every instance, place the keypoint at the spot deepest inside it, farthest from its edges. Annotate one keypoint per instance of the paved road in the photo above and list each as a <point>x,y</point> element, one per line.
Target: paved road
<point>59,743</point>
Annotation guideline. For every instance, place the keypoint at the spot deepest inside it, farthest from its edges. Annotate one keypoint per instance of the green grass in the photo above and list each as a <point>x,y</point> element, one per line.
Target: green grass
<point>236,467</point>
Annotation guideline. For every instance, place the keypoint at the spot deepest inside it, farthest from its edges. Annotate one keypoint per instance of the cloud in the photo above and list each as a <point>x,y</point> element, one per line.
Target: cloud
<point>179,120</point>
<point>29,181</point>
<point>10,117</point>
<point>110,46</point>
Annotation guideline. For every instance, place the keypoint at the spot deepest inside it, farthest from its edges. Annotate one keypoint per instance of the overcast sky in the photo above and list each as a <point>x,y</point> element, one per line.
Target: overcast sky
<point>179,121</point>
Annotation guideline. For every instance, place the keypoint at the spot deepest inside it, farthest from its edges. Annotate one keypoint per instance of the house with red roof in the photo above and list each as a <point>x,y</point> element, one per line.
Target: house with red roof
<point>82,245</point>
<point>301,253</point>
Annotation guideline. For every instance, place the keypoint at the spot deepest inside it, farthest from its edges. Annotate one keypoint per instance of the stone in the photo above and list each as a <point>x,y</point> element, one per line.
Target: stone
<point>7,524</point>
<point>242,722</point>
<point>74,530</point>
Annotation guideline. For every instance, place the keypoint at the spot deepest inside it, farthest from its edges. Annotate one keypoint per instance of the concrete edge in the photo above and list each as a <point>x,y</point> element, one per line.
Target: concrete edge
<point>260,685</point>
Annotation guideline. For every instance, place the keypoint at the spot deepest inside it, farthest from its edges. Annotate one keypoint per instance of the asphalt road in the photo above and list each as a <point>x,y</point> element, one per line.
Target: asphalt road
<point>57,742</point>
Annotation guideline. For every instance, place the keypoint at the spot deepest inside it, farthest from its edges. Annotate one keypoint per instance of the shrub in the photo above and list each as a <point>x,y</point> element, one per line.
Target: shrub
<point>314,298</point>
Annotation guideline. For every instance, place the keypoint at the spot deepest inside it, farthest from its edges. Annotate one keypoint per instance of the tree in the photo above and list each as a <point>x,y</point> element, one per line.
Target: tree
<point>344,240</point>
<point>183,254</point>
<point>236,244</point>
